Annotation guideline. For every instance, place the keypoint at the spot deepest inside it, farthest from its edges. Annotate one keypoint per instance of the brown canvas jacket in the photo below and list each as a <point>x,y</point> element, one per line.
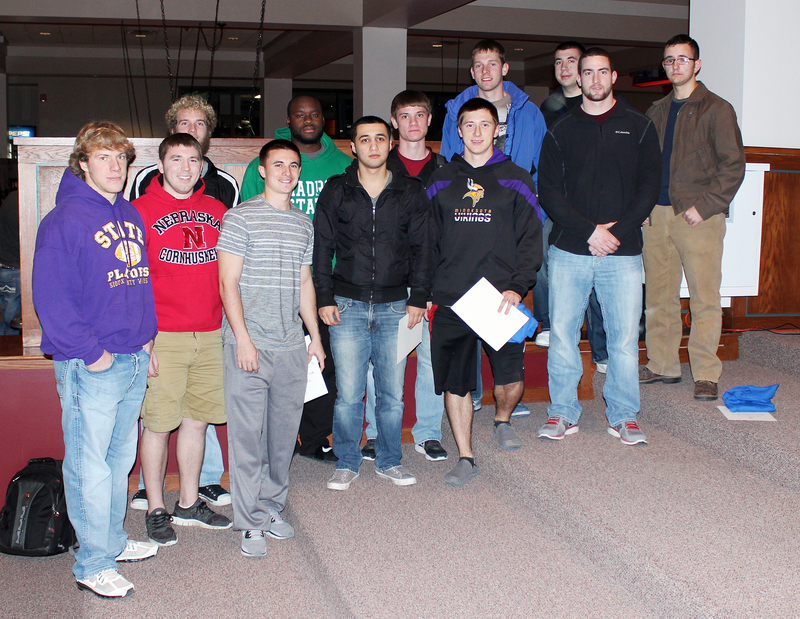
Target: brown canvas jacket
<point>707,164</point>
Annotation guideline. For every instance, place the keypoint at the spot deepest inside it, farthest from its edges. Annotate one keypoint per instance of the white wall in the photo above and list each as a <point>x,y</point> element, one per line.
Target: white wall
<point>747,47</point>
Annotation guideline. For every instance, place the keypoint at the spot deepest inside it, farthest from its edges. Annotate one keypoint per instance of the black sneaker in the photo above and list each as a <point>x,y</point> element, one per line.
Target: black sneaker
<point>139,500</point>
<point>159,529</point>
<point>198,515</point>
<point>214,495</point>
<point>368,450</point>
<point>432,449</point>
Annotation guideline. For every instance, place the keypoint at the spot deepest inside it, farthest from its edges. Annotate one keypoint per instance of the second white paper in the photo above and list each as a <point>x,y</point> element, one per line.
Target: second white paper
<point>478,308</point>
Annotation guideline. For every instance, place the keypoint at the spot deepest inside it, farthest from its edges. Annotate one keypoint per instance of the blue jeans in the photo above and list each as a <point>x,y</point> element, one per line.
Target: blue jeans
<point>367,332</point>
<point>430,407</point>
<point>213,467</point>
<point>99,413</point>
<point>595,332</point>
<point>617,280</point>
<point>9,299</point>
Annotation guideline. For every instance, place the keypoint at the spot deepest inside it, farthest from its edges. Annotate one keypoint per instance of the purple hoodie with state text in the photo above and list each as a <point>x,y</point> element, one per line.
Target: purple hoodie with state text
<point>91,279</point>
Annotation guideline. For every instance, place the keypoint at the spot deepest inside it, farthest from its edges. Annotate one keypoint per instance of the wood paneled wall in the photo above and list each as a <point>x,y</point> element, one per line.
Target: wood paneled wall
<point>778,300</point>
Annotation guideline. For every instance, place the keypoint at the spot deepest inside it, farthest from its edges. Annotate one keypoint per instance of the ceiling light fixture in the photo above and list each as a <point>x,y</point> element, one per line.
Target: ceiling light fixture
<point>45,34</point>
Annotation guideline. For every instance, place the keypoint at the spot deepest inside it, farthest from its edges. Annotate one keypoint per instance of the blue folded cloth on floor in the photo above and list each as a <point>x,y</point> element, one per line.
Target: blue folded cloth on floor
<point>750,399</point>
<point>528,329</point>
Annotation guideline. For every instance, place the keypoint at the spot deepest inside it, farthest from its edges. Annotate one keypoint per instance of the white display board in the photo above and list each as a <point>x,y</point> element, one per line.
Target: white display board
<point>741,256</point>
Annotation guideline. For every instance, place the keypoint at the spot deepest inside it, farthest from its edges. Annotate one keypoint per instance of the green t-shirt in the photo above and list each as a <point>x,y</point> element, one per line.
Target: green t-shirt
<point>314,173</point>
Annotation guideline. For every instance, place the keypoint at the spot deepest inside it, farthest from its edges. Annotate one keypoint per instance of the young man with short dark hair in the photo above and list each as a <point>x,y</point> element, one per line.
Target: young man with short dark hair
<point>703,168</point>
<point>377,224</point>
<point>563,99</point>
<point>599,180</point>
<point>193,115</point>
<point>264,252</point>
<point>92,292</point>
<point>568,94</point>
<point>485,211</point>
<point>411,117</point>
<point>186,395</point>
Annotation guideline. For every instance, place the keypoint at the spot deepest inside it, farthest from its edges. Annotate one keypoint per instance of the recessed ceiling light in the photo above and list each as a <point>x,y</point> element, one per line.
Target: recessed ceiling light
<point>437,44</point>
<point>140,36</point>
<point>233,38</point>
<point>518,49</point>
<point>45,34</point>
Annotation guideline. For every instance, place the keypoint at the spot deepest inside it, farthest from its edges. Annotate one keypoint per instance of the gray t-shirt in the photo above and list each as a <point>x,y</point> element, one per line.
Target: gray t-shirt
<point>274,244</point>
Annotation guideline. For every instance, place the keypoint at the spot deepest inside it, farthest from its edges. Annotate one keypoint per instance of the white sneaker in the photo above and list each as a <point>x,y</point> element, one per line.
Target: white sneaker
<point>397,476</point>
<point>543,339</point>
<point>137,551</point>
<point>602,367</point>
<point>107,584</point>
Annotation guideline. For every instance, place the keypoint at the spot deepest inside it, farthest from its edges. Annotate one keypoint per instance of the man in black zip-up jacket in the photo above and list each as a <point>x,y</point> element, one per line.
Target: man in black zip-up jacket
<point>599,177</point>
<point>377,225</point>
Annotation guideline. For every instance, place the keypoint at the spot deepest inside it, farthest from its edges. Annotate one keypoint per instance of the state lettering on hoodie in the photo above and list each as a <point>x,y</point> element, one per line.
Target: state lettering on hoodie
<point>128,250</point>
<point>305,195</point>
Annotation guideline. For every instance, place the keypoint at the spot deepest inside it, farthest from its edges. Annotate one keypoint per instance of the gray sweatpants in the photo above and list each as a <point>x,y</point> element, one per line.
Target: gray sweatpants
<point>264,410</point>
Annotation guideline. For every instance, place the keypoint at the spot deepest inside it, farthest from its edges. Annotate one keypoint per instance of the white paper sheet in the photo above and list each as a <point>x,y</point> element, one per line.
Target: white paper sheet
<point>316,386</point>
<point>478,308</point>
<point>407,339</point>
<point>745,416</point>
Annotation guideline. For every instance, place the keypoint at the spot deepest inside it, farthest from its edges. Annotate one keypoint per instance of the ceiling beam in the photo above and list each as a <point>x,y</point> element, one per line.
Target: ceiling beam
<point>406,13</point>
<point>296,53</point>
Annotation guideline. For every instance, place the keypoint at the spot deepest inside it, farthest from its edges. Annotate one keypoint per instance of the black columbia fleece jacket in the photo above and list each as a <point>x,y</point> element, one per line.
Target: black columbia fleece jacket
<point>592,173</point>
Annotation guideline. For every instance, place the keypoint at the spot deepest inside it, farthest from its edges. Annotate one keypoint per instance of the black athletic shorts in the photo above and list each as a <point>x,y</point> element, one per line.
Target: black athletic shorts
<point>454,356</point>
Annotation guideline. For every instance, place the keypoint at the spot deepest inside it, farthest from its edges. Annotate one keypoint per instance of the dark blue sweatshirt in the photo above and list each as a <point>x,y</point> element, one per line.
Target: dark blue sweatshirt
<point>91,280</point>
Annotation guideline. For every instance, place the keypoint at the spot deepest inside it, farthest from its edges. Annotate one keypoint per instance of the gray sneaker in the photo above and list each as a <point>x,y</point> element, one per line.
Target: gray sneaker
<point>278,527</point>
<point>159,527</point>
<point>254,544</point>
<point>507,437</point>
<point>461,473</point>
<point>556,428</point>
<point>628,432</point>
<point>341,479</point>
<point>397,476</point>
<point>199,515</point>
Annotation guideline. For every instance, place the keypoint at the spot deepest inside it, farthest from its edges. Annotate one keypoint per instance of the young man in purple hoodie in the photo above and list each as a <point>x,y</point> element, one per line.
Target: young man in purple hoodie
<point>91,289</point>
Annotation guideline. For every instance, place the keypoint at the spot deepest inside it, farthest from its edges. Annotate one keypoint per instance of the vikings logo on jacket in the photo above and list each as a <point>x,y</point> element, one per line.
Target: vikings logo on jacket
<point>475,192</point>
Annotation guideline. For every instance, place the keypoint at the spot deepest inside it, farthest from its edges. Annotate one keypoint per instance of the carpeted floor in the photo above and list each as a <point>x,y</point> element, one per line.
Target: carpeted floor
<point>701,522</point>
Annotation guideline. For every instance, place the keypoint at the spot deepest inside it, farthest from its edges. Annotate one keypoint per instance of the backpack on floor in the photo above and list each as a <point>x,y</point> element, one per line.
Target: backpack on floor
<point>33,521</point>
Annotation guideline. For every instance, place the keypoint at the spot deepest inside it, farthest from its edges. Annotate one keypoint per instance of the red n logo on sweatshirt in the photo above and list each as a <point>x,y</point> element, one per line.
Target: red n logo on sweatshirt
<point>193,236</point>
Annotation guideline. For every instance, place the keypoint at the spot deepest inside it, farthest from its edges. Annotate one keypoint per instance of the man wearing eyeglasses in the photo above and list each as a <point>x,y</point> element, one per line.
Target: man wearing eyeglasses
<point>703,167</point>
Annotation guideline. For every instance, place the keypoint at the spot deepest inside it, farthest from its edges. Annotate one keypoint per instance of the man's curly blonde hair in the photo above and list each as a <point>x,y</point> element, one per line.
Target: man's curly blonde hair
<point>194,102</point>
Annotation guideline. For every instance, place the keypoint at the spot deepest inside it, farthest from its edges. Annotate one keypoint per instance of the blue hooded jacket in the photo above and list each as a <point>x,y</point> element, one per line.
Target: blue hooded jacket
<point>524,132</point>
<point>91,279</point>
